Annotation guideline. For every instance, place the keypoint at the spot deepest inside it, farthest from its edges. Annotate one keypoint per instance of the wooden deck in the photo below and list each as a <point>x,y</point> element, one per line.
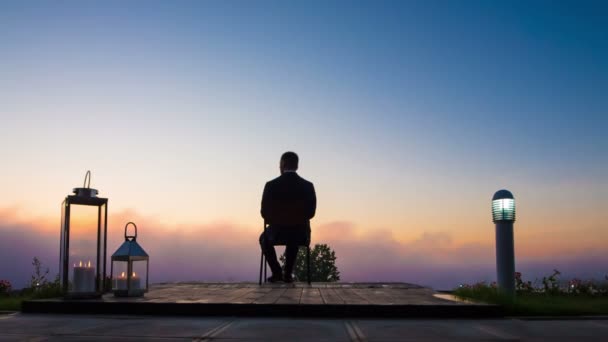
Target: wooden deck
<point>274,300</point>
<point>318,293</point>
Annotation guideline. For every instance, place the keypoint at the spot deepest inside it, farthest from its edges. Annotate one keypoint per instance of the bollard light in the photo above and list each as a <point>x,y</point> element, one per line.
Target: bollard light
<point>503,206</point>
<point>503,215</point>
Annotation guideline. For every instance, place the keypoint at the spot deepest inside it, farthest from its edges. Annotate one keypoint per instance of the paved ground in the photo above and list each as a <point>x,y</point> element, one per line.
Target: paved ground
<point>24,327</point>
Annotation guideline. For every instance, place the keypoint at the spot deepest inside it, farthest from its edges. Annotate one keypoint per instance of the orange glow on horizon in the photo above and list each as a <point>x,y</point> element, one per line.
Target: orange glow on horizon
<point>444,236</point>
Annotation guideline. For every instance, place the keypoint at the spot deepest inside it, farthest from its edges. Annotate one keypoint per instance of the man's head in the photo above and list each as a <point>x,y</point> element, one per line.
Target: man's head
<point>289,162</point>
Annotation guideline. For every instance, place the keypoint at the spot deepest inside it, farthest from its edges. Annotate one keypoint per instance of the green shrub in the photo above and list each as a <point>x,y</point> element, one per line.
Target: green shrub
<point>577,298</point>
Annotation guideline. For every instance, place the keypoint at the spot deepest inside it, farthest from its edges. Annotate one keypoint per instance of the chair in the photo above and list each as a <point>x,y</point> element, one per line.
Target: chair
<point>264,263</point>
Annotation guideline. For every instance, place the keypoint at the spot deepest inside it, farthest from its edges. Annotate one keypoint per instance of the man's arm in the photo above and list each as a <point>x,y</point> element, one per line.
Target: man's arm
<point>312,201</point>
<point>265,211</point>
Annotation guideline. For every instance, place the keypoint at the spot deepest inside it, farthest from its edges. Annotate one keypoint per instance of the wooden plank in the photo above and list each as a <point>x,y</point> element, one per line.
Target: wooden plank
<point>271,297</point>
<point>350,297</point>
<point>416,297</point>
<point>221,294</point>
<point>330,296</point>
<point>311,296</point>
<point>230,296</point>
<point>252,296</point>
<point>290,296</point>
<point>377,296</point>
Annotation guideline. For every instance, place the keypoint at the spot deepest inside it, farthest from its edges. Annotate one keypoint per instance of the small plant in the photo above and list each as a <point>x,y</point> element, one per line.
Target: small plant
<point>603,286</point>
<point>522,286</point>
<point>579,287</point>
<point>551,283</point>
<point>38,279</point>
<point>40,285</point>
<point>5,287</point>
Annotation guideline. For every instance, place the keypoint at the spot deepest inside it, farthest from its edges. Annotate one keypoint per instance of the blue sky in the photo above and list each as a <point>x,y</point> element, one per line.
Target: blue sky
<point>535,72</point>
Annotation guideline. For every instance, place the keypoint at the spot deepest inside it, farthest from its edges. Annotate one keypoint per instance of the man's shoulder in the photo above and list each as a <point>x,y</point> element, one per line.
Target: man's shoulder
<point>307,182</point>
<point>274,181</point>
<point>288,178</point>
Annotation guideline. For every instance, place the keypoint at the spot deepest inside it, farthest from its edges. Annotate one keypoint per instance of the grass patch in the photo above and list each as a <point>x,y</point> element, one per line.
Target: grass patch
<point>10,303</point>
<point>538,304</point>
<point>13,302</point>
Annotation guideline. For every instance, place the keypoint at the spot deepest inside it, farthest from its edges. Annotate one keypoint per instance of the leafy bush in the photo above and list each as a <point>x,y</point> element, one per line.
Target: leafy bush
<point>549,285</point>
<point>546,297</point>
<point>322,264</point>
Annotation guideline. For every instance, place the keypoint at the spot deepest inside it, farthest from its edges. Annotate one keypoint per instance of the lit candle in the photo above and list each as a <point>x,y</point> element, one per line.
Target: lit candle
<point>120,283</point>
<point>135,282</point>
<point>84,278</point>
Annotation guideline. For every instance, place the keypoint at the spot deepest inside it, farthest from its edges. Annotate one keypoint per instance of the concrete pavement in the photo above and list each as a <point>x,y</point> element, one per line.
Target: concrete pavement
<point>30,327</point>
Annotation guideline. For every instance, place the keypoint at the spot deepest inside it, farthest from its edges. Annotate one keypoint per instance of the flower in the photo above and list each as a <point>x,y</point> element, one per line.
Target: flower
<point>5,287</point>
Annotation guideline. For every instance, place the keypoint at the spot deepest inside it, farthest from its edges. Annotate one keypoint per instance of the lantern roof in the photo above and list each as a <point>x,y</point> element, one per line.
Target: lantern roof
<point>130,250</point>
<point>502,194</point>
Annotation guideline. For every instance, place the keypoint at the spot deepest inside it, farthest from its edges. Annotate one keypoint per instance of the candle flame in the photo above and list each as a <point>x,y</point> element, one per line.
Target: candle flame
<point>89,263</point>
<point>80,265</point>
<point>122,274</point>
<point>134,274</point>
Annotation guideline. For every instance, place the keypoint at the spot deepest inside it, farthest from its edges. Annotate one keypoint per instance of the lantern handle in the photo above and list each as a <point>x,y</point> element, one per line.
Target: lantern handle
<point>87,176</point>
<point>130,237</point>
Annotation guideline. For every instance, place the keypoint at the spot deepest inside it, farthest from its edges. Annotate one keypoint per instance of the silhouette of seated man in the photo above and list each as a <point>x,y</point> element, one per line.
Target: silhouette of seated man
<point>288,204</point>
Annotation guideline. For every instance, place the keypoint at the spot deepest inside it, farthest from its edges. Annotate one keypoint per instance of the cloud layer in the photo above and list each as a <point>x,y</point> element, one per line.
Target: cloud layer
<point>222,251</point>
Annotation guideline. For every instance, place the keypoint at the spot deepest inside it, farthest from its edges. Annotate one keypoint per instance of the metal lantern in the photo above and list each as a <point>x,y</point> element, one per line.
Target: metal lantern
<point>503,215</point>
<point>82,258</point>
<point>130,266</point>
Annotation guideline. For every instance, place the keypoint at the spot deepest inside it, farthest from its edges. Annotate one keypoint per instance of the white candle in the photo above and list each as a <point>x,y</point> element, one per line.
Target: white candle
<point>120,283</point>
<point>135,282</point>
<point>84,278</point>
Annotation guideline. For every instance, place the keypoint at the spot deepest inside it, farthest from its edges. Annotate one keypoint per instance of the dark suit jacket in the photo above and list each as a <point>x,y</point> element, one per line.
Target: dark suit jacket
<point>289,201</point>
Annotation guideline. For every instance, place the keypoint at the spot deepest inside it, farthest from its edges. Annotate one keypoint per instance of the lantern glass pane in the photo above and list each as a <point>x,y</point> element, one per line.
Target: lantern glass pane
<point>83,249</point>
<point>503,209</point>
<point>119,275</point>
<point>102,238</point>
<point>62,243</point>
<point>140,271</point>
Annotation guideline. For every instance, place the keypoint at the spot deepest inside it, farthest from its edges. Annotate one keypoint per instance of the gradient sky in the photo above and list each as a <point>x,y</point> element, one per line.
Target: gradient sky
<point>406,115</point>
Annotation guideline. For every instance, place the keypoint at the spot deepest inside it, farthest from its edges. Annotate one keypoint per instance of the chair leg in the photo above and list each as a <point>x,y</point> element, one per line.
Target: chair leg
<point>308,263</point>
<point>261,266</point>
<point>265,269</point>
